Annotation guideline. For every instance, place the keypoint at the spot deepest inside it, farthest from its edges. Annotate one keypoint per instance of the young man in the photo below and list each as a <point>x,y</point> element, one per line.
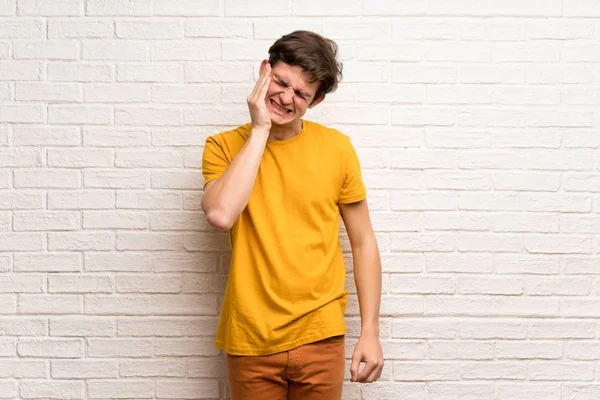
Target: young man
<point>279,185</point>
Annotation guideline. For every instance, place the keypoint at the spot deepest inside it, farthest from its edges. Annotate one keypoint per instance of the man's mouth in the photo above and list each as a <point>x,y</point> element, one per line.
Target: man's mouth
<point>282,109</point>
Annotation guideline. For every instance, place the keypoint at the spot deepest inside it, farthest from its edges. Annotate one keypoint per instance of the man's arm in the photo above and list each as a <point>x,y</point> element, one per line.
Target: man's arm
<point>367,275</point>
<point>226,197</point>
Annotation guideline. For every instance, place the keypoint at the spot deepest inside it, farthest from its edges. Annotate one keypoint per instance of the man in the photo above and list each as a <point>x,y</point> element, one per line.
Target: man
<point>279,185</point>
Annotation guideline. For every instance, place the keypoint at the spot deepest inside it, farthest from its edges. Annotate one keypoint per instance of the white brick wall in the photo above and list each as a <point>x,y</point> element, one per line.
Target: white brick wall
<point>478,129</point>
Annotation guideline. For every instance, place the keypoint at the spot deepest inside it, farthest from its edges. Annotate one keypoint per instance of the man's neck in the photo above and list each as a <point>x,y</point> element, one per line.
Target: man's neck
<point>284,132</point>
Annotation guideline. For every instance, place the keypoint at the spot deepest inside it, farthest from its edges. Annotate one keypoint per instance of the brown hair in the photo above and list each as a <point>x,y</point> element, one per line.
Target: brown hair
<point>313,53</point>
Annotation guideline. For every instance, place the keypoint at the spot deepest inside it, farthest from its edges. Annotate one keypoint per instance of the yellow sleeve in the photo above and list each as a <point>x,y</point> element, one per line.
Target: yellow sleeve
<point>214,160</point>
<point>353,188</point>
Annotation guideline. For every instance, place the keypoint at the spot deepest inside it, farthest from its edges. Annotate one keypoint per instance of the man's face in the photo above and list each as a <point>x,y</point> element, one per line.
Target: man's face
<point>290,93</point>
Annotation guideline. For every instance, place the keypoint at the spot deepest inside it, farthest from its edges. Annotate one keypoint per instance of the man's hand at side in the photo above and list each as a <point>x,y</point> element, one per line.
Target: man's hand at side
<point>367,350</point>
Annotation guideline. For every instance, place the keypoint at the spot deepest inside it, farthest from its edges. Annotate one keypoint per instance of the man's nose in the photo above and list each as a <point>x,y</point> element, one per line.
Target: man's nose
<point>287,95</point>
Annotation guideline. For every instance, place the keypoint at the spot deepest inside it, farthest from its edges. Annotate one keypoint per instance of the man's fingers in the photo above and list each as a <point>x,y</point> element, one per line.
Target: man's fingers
<point>354,368</point>
<point>368,369</point>
<point>376,374</point>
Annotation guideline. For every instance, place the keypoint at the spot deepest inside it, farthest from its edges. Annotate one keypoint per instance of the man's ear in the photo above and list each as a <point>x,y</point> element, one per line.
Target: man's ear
<point>263,65</point>
<point>317,101</point>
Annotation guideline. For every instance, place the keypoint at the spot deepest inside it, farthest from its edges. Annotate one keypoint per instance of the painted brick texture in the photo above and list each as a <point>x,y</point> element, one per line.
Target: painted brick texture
<point>477,124</point>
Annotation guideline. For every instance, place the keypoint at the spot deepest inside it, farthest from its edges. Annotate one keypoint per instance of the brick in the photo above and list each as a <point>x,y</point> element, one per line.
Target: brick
<point>576,224</point>
<point>157,116</point>
<point>166,326</point>
<point>184,348</point>
<point>181,136</point>
<point>21,284</point>
<point>149,29</point>
<point>529,391</point>
<point>536,8</point>
<point>567,286</point>
<point>149,241</point>
<point>149,73</point>
<point>438,221</point>
<point>20,157</point>
<point>7,8</point>
<point>44,220</point>
<point>458,52</point>
<point>461,350</point>
<point>561,330</point>
<point>23,369</point>
<point>81,326</point>
<point>502,306</point>
<point>578,265</point>
<point>49,304</point>
<point>445,138</point>
<point>558,371</point>
<point>187,389</point>
<point>150,159</point>
<point>188,93</point>
<point>458,390</point>
<point>84,369</point>
<point>494,370</point>
<point>408,29</point>
<point>494,73</point>
<point>188,50</point>
<point>463,94</point>
<point>80,114</point>
<point>526,264</point>
<point>119,137</point>
<point>120,348</point>
<point>184,262</point>
<point>80,72</point>
<point>240,8</point>
<point>523,139</point>
<point>176,180</point>
<point>426,371</point>
<point>368,115</point>
<point>176,221</point>
<point>118,261</point>
<point>207,368</point>
<point>23,28</point>
<point>504,222</point>
<point>563,73</point>
<point>582,350</point>
<point>526,95</point>
<point>78,241</point>
<point>580,53</point>
<point>130,8</point>
<point>426,74</point>
<point>153,368</point>
<point>116,50</point>
<point>418,242</point>
<point>192,201</point>
<point>408,94</point>
<point>421,285</point>
<point>461,262</point>
<point>55,92</point>
<point>117,179</point>
<point>273,29</point>
<point>480,8</point>
<point>64,283</point>
<point>504,30</point>
<point>211,72</point>
<point>120,389</point>
<point>489,242</point>
<point>80,158</point>
<point>81,200</point>
<point>149,284</point>
<point>512,350</point>
<point>395,51</point>
<point>218,28</point>
<point>464,180</point>
<point>47,262</point>
<point>492,329</point>
<point>50,8</point>
<point>21,242</point>
<point>331,8</point>
<point>8,348</point>
<point>114,220</point>
<point>23,326</point>
<point>51,348</point>
<point>49,49</point>
<point>200,242</point>
<point>203,304</point>
<point>22,113</point>
<point>560,29</point>
<point>526,181</point>
<point>203,283</point>
<point>80,28</point>
<point>483,285</point>
<point>368,72</point>
<point>582,182</point>
<point>583,308</point>
<point>213,115</point>
<point>155,200</point>
<point>8,304</point>
<point>401,8</point>
<point>555,244</point>
<point>581,8</point>
<point>116,93</point>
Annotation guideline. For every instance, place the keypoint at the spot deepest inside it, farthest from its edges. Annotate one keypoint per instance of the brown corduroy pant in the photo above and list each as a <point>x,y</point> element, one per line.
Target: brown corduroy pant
<point>314,371</point>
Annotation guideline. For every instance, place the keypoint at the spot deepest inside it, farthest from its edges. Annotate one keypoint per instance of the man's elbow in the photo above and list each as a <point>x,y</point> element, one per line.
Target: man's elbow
<point>218,219</point>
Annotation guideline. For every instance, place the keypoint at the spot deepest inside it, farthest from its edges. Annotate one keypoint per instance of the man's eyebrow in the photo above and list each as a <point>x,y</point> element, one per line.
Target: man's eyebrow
<point>284,83</point>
